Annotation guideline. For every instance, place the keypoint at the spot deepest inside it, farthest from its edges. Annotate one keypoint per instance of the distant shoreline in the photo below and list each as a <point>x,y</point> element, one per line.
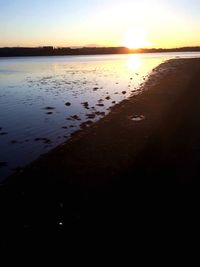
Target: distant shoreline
<point>51,51</point>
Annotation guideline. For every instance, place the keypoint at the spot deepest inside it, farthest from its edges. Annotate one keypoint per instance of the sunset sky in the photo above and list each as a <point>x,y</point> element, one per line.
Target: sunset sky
<point>131,23</point>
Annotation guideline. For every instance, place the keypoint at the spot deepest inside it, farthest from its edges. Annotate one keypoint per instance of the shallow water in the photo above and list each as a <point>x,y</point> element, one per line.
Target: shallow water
<point>43,100</point>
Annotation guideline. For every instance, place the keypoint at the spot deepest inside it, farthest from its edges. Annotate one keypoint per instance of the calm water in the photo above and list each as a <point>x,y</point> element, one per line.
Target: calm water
<point>44,99</point>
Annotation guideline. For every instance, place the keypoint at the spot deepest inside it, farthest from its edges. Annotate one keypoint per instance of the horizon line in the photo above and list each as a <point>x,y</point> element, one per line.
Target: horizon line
<point>91,47</point>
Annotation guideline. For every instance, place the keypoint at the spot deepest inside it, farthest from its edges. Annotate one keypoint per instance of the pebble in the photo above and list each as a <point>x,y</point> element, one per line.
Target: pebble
<point>13,142</point>
<point>3,133</point>
<point>49,108</point>
<point>76,117</point>
<point>45,140</point>
<point>85,104</point>
<point>98,113</point>
<point>67,104</point>
<point>91,116</point>
<point>100,105</point>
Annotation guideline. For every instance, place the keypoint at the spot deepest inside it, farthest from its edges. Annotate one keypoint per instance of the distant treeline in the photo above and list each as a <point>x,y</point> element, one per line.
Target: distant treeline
<point>64,51</point>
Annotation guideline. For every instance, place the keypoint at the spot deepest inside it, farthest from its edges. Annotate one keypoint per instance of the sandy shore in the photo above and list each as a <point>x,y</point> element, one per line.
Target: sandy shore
<point>149,141</point>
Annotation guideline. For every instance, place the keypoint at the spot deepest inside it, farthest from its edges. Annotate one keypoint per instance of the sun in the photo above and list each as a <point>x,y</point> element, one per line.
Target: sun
<point>135,39</point>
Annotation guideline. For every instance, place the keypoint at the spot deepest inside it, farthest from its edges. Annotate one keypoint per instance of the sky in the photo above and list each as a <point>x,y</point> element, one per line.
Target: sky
<point>131,23</point>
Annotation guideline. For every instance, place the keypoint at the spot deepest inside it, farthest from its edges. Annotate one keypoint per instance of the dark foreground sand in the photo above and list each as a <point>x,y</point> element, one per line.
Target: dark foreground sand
<point>117,160</point>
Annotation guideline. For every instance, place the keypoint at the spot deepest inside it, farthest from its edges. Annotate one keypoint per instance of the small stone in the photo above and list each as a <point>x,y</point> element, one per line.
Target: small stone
<point>91,116</point>
<point>13,141</point>
<point>3,133</point>
<point>49,108</point>
<point>100,105</point>
<point>85,104</point>
<point>45,140</point>
<point>75,117</point>
<point>98,113</point>
<point>68,104</point>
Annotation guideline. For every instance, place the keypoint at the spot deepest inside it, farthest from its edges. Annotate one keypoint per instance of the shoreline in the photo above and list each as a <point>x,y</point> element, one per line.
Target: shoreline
<point>108,149</point>
<point>120,168</point>
<point>65,51</point>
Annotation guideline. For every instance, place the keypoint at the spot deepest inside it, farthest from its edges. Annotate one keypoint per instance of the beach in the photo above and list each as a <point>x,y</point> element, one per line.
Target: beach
<point>156,123</point>
<point>146,143</point>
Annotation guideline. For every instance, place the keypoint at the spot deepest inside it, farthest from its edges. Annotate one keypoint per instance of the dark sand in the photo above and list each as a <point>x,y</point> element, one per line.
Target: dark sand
<point>116,160</point>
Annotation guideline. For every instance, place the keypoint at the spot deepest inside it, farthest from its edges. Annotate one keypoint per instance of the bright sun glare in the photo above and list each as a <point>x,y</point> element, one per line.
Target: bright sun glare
<point>135,39</point>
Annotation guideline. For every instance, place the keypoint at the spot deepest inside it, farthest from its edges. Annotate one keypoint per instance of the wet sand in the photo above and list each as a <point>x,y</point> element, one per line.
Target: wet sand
<point>148,142</point>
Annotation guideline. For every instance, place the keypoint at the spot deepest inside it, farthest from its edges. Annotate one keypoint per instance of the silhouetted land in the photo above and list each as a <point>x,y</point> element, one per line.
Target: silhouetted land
<point>118,174</point>
<point>51,51</point>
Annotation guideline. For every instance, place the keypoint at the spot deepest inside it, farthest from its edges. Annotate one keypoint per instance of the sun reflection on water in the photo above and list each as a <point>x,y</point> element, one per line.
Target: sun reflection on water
<point>134,62</point>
